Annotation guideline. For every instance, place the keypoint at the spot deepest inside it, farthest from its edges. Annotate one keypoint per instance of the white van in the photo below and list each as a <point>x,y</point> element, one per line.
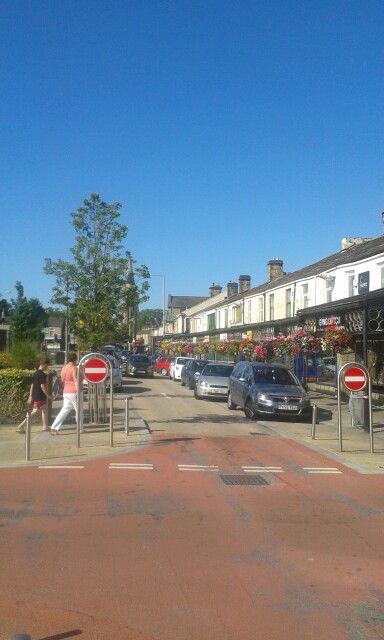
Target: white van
<point>176,367</point>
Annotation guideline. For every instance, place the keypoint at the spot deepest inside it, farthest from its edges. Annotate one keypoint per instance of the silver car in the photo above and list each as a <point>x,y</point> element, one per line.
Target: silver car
<point>213,380</point>
<point>262,389</point>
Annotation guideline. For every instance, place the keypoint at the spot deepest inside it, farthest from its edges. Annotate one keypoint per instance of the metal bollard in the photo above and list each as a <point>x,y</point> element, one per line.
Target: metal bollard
<point>314,421</point>
<point>127,416</point>
<point>27,439</point>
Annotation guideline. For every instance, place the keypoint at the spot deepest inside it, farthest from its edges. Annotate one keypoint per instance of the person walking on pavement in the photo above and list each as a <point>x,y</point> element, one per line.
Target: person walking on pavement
<point>68,377</point>
<point>38,395</point>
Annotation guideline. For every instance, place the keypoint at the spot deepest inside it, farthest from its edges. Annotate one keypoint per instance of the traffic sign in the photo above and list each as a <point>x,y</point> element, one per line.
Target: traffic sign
<point>95,370</point>
<point>355,378</point>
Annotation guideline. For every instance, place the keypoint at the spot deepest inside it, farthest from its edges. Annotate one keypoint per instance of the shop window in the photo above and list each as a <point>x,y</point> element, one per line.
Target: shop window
<point>326,369</point>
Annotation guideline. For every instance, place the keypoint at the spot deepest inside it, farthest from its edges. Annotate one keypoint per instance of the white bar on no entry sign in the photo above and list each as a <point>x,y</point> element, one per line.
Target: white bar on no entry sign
<point>355,378</point>
<point>95,369</point>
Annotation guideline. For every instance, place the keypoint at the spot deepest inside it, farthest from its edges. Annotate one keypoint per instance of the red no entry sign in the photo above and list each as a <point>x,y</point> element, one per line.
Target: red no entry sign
<point>95,370</point>
<point>355,379</point>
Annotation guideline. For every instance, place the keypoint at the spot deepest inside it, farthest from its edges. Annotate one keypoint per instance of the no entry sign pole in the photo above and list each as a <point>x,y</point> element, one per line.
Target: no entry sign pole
<point>95,368</point>
<point>355,377</point>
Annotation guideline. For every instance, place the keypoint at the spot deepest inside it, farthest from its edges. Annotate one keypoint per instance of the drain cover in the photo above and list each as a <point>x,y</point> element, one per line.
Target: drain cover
<point>252,479</point>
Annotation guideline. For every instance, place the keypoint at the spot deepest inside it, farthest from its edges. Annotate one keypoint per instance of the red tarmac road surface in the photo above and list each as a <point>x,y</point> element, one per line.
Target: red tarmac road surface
<point>171,554</point>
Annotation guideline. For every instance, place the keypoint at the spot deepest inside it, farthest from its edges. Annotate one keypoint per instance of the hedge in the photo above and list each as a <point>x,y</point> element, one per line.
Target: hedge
<point>14,391</point>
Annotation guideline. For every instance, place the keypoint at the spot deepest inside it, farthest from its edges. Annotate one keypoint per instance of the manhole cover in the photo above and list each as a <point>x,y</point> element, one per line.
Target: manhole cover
<point>248,480</point>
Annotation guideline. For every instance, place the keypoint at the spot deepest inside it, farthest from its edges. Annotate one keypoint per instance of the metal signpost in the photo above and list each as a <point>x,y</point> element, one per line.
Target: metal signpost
<point>95,368</point>
<point>355,378</point>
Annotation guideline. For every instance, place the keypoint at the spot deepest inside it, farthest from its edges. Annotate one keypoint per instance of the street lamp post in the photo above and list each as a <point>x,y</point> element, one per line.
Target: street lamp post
<point>156,275</point>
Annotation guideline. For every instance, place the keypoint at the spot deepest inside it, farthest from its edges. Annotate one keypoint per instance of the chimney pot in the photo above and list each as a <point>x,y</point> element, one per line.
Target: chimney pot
<point>274,269</point>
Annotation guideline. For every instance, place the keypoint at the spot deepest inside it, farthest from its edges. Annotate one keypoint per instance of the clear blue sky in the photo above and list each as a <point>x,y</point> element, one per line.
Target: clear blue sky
<point>231,131</point>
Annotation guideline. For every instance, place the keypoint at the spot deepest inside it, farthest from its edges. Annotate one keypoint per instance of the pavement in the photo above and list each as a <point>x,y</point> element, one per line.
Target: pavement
<point>63,449</point>
<point>95,443</point>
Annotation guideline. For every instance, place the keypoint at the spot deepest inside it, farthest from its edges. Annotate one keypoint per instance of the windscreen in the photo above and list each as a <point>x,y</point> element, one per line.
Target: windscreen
<point>271,375</point>
<point>222,370</point>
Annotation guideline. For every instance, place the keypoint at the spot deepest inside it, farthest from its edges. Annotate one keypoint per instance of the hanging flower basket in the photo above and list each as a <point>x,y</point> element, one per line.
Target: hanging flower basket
<point>234,347</point>
<point>282,345</point>
<point>337,339</point>
<point>259,353</point>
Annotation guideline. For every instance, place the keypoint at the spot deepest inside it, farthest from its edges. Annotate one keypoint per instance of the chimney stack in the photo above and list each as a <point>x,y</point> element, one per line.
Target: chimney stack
<point>214,289</point>
<point>232,289</point>
<point>275,269</point>
<point>244,283</point>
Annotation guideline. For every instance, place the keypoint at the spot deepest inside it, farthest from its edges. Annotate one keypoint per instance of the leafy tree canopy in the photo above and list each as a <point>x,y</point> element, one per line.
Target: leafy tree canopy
<point>147,318</point>
<point>27,318</point>
<point>96,283</point>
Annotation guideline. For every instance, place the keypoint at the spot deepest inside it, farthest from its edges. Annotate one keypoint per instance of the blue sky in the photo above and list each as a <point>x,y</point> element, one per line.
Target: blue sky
<point>231,132</point>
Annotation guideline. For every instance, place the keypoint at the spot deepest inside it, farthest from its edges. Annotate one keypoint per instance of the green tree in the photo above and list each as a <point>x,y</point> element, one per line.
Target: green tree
<point>147,318</point>
<point>96,283</point>
<point>27,318</point>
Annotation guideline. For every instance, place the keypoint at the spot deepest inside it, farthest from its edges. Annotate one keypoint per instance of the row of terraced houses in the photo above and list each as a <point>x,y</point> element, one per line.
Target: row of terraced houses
<point>345,288</point>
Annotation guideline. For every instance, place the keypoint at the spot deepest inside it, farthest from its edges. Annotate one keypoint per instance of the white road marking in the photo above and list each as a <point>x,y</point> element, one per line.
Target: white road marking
<point>263,470</point>
<point>324,471</point>
<point>61,466</point>
<point>198,467</point>
<point>131,465</point>
<point>166,396</point>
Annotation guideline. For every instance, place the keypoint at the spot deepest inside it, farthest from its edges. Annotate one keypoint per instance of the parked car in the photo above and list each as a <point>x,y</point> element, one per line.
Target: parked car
<point>262,389</point>
<point>163,363</point>
<point>139,364</point>
<point>213,380</point>
<point>117,375</point>
<point>176,367</point>
<point>188,372</point>
<point>124,356</point>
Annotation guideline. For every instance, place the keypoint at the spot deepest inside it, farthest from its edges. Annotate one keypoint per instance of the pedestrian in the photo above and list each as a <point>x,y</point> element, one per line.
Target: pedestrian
<point>38,395</point>
<point>68,377</point>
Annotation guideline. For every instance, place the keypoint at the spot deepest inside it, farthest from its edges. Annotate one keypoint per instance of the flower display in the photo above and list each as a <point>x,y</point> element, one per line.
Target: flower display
<point>337,339</point>
<point>259,353</point>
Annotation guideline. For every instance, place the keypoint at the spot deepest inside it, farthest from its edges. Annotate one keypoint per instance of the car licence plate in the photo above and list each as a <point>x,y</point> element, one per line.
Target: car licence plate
<point>215,391</point>
<point>287,407</point>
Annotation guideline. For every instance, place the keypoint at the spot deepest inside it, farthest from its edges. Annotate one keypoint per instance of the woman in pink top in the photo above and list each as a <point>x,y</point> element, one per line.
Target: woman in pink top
<point>69,379</point>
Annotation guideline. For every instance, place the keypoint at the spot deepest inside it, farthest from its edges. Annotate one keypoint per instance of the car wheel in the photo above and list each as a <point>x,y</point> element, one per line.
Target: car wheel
<point>196,395</point>
<point>249,411</point>
<point>182,383</point>
<point>230,404</point>
<point>190,386</point>
<point>163,372</point>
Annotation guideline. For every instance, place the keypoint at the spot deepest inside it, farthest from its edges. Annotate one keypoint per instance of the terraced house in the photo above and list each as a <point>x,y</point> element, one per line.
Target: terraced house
<point>345,288</point>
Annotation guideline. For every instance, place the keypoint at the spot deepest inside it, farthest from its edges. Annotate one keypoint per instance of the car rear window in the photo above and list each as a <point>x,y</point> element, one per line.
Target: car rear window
<point>141,359</point>
<point>223,370</point>
<point>271,375</point>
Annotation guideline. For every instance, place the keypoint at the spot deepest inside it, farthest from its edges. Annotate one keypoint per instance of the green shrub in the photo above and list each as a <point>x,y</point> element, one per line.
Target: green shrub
<point>14,391</point>
<point>24,355</point>
<point>5,360</point>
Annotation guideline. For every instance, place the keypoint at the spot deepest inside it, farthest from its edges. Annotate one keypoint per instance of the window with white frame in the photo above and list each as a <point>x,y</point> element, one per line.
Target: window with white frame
<point>350,281</point>
<point>261,309</point>
<point>381,274</point>
<point>225,317</point>
<point>249,311</point>
<point>288,303</point>
<point>272,306</point>
<point>236,314</point>
<point>304,295</point>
